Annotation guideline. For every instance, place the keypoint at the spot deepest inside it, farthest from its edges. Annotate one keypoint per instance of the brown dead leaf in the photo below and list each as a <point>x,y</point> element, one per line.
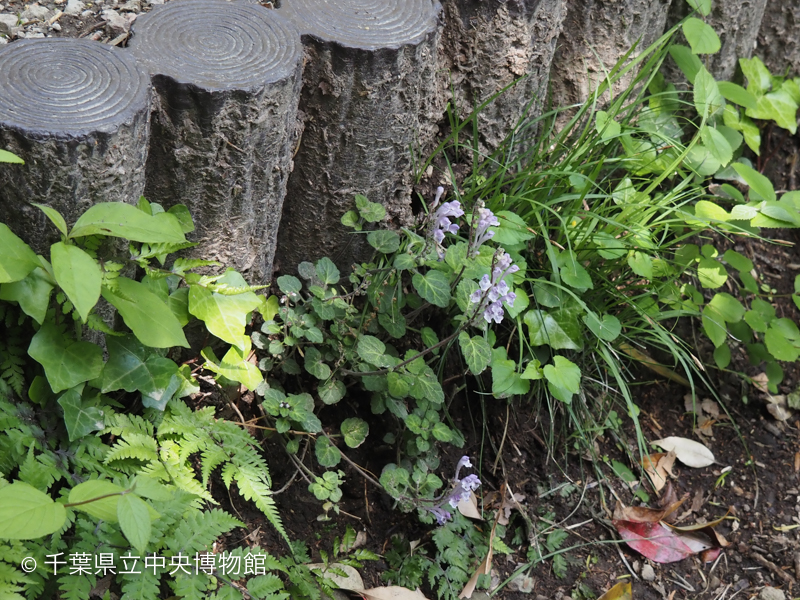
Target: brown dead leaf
<point>469,507</point>
<point>392,592</point>
<point>511,502</point>
<point>658,467</point>
<point>780,413</point>
<point>654,366</point>
<point>796,462</point>
<point>761,382</point>
<point>697,501</point>
<point>704,425</point>
<point>710,407</point>
<point>485,568</point>
<point>688,403</point>
<point>642,514</point>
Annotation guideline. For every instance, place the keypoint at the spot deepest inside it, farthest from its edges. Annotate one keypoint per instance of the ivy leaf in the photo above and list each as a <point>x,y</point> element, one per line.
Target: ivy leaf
<point>79,419</point>
<point>16,257</point>
<point>314,365</point>
<point>701,36</point>
<point>543,330</point>
<point>331,391</point>
<point>78,275</point>
<point>608,328</point>
<point>66,363</point>
<point>327,272</point>
<point>149,318</point>
<point>384,241</point>
<point>118,219</point>
<point>354,431</point>
<point>134,520</point>
<point>31,293</point>
<point>225,316</point>
<point>434,287</point>
<point>328,455</point>
<point>27,513</point>
<point>477,352</point>
<point>563,378</point>
<point>372,350</point>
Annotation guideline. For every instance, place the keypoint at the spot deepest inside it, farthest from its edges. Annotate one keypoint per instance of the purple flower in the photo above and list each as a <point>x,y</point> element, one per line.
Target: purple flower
<point>486,219</point>
<point>442,516</point>
<point>464,462</point>
<point>462,488</point>
<point>492,292</point>
<point>441,223</point>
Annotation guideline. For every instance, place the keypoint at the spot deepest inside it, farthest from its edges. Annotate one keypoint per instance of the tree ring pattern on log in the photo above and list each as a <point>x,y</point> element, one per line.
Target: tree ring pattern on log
<point>69,88</point>
<point>216,45</point>
<point>364,24</point>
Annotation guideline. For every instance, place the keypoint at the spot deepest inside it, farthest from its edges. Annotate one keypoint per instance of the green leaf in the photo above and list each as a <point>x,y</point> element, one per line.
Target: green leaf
<point>78,275</point>
<point>384,240</point>
<point>722,356</point>
<point>235,366</point>
<point>350,219</point>
<point>442,432</point>
<point>398,384</point>
<point>327,454</point>
<point>66,362</point>
<point>354,431</point>
<point>736,94</point>
<point>758,183</point>
<point>607,127</point>
<point>149,318</point>
<point>134,520</point>
<point>711,273</point>
<point>544,330</point>
<point>717,144</point>
<point>778,106</point>
<point>513,229</point>
<point>707,99</point>
<point>372,350</point>
<point>477,352</point>
<point>759,79</point>
<point>641,264</point>
<point>79,419</point>
<point>738,261</point>
<point>779,346</point>
<point>576,276</point>
<point>506,382</point>
<point>687,61</point>
<point>371,212</point>
<point>701,6</point>
<point>701,36</point>
<point>102,508</point>
<point>8,157</point>
<point>16,257</point>
<point>314,365</point>
<point>564,376</point>
<point>714,326</point>
<point>403,262</point>
<point>289,284</point>
<point>31,293</point>
<point>728,306</point>
<point>54,216</point>
<point>331,391</point>
<point>608,328</point>
<point>27,514</point>
<point>327,272</point>
<point>225,316</point>
<point>533,370</point>
<point>434,287</point>
<point>118,219</point>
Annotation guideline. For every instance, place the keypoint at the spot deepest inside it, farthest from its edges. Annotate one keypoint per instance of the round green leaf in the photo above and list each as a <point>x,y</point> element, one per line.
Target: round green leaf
<point>563,373</point>
<point>384,240</point>
<point>16,257</point>
<point>701,36</point>
<point>331,391</point>
<point>100,507</point>
<point>355,431</point>
<point>711,273</point>
<point>328,455</point>
<point>434,287</point>
<point>27,514</point>
<point>607,328</point>
<point>779,346</point>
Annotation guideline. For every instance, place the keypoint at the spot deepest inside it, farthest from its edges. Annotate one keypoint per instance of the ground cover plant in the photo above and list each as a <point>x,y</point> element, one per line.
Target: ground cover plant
<point>542,278</point>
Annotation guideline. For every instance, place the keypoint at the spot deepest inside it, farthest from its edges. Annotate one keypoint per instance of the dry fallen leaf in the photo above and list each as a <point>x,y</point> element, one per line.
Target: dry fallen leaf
<point>657,467</point>
<point>691,453</point>
<point>642,514</point>
<point>761,382</point>
<point>780,413</point>
<point>711,407</point>
<point>621,591</point>
<point>392,592</point>
<point>483,569</point>
<point>469,507</point>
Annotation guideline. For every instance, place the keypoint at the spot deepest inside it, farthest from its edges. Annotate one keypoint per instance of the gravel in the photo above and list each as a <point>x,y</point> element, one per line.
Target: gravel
<point>771,593</point>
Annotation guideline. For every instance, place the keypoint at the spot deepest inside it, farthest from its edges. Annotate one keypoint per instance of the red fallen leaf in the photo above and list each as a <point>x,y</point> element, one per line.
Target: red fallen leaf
<point>655,541</point>
<point>710,555</point>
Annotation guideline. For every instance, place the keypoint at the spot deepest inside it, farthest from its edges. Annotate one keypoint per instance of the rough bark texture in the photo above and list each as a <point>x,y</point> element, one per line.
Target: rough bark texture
<point>487,45</point>
<point>370,99</point>
<point>227,79</point>
<point>737,23</point>
<point>77,112</point>
<point>596,34</point>
<point>779,37</point>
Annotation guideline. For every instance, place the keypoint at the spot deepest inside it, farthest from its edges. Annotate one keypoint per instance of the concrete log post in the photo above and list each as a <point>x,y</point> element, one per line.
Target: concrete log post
<point>227,81</point>
<point>78,113</point>
<point>370,101</point>
<point>737,23</point>
<point>487,45</point>
<point>596,34</point>
<point>779,37</point>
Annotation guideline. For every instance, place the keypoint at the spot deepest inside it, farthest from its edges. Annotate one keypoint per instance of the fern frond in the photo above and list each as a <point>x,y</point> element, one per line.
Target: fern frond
<point>9,591</point>
<point>121,425</point>
<point>133,445</point>
<point>191,587</point>
<point>199,530</point>
<point>76,587</point>
<point>254,486</point>
<point>143,586</point>
<point>211,458</point>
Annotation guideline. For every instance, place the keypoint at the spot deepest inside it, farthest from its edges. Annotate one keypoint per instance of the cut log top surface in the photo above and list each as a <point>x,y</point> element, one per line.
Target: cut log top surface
<point>59,87</point>
<point>217,45</point>
<point>364,24</point>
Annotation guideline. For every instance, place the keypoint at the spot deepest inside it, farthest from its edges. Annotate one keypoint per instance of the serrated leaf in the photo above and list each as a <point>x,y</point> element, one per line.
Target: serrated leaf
<point>372,350</point>
<point>711,273</point>
<point>384,240</point>
<point>224,316</point>
<point>118,219</point>
<point>701,36</point>
<point>476,351</point>
<point>758,183</point>
<point>16,257</point>
<point>66,363</point>
<point>327,272</point>
<point>434,287</point>
<point>513,229</point>
<point>149,318</point>
<point>689,452</point>
<point>134,520</point>
<point>79,419</point>
<point>354,431</point>
<point>78,275</point>
<point>27,513</point>
<point>331,391</point>
<point>314,365</point>
<point>327,454</point>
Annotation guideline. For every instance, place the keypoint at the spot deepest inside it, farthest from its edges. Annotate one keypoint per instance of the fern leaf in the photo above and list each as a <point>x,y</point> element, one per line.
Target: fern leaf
<point>254,486</point>
<point>191,587</point>
<point>199,530</point>
<point>75,587</point>
<point>9,591</point>
<point>133,445</point>
<point>140,586</point>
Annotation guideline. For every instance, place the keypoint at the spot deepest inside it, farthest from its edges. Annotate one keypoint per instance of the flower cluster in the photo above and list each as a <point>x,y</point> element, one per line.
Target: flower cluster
<point>441,218</point>
<point>493,291</point>
<point>462,488</point>
<point>486,219</point>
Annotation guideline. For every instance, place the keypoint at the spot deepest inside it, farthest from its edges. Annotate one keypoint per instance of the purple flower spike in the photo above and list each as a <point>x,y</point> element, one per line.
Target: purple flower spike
<point>494,291</point>
<point>442,516</point>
